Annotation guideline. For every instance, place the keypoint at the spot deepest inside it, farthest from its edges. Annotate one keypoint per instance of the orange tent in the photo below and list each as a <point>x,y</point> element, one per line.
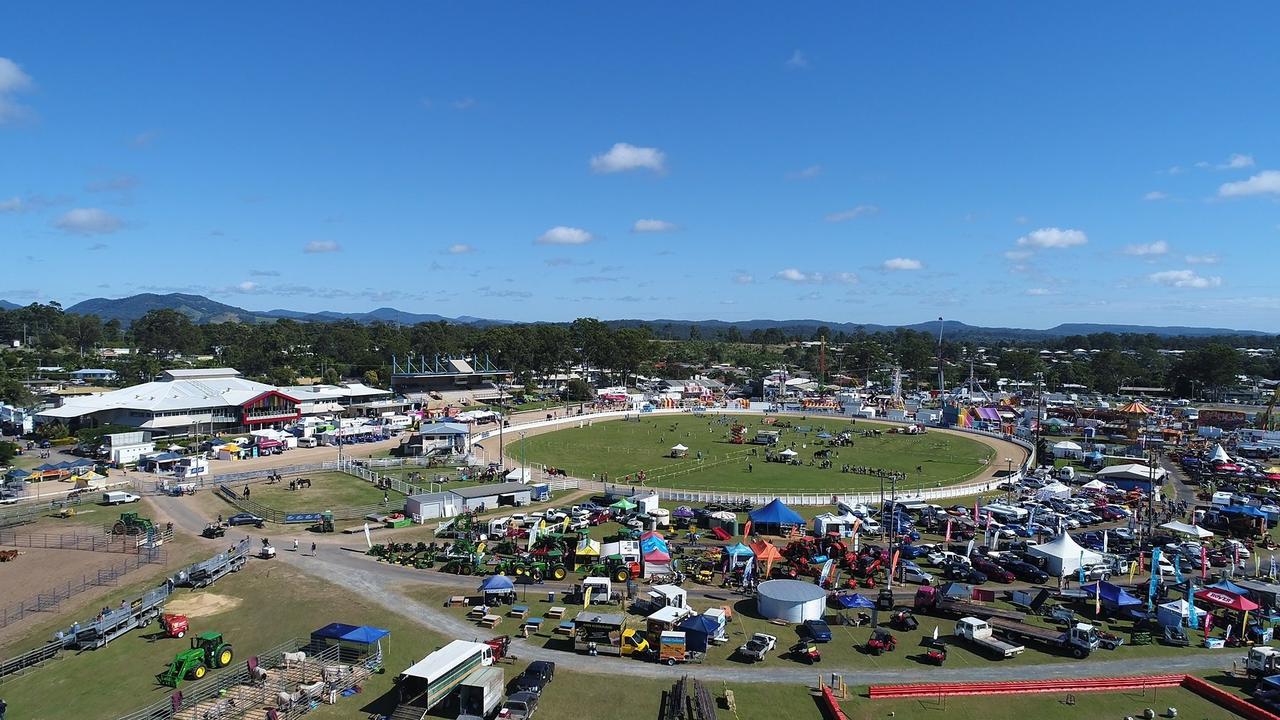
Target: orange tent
<point>766,552</point>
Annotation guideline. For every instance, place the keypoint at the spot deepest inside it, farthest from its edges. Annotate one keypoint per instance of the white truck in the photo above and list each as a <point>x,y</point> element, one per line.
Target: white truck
<point>117,497</point>
<point>434,677</point>
<point>480,694</point>
<point>978,632</point>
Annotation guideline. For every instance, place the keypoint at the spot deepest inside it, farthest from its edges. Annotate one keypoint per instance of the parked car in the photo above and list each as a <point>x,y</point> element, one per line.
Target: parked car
<point>1027,572</point>
<point>520,706</point>
<point>993,571</point>
<point>910,572</point>
<point>245,519</point>
<point>961,572</point>
<point>938,558</point>
<point>536,677</point>
<point>816,630</point>
<point>758,647</point>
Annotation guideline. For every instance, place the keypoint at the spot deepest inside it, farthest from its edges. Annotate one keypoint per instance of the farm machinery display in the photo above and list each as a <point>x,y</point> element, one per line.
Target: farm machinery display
<point>208,651</point>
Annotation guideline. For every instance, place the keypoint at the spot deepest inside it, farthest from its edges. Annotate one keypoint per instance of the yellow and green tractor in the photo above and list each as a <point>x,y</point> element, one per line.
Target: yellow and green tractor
<point>208,652</point>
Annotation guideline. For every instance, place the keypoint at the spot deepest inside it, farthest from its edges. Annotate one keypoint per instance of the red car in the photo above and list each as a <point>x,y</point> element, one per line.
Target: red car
<point>993,571</point>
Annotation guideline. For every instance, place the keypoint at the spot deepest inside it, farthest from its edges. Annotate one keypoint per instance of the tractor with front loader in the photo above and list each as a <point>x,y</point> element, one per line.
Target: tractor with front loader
<point>208,651</point>
<point>131,523</point>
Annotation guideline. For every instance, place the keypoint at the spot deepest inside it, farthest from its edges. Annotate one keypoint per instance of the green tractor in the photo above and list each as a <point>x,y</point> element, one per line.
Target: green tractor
<point>130,523</point>
<point>462,566</point>
<point>208,651</point>
<point>612,568</point>
<point>539,570</point>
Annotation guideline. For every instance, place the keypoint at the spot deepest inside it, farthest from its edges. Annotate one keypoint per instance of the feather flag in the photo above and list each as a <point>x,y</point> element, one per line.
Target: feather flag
<point>1257,565</point>
<point>746,530</point>
<point>1204,563</point>
<point>947,537</point>
<point>969,550</point>
<point>1177,568</point>
<point>826,569</point>
<point>1273,567</point>
<point>1155,578</point>
<point>935,632</point>
<point>893,563</point>
<point>1097,599</point>
<point>1133,567</point>
<point>533,535</point>
<point>1080,569</point>
<point>1193,613</point>
<point>975,512</point>
<point>1104,541</point>
<point>586,597</point>
<point>747,571</point>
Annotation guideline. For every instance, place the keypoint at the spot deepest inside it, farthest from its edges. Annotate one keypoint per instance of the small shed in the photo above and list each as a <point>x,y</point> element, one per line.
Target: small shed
<point>669,596</point>
<point>429,506</point>
<point>491,495</point>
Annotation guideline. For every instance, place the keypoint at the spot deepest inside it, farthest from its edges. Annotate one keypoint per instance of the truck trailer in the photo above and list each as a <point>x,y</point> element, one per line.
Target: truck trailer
<point>480,694</point>
<point>1080,639</point>
<point>932,601</point>
<point>434,677</point>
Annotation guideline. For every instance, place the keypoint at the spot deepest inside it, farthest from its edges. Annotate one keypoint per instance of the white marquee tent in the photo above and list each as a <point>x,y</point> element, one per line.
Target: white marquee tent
<point>1063,555</point>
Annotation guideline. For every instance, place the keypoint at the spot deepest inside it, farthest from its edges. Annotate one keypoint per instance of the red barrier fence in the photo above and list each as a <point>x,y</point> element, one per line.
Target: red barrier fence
<point>1235,704</point>
<point>1019,687</point>
<point>831,706</point>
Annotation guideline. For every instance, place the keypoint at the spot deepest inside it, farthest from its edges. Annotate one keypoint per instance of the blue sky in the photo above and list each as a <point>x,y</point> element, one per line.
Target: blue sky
<point>1013,164</point>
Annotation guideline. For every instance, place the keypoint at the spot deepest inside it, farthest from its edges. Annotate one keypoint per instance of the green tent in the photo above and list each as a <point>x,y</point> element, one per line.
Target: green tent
<point>624,504</point>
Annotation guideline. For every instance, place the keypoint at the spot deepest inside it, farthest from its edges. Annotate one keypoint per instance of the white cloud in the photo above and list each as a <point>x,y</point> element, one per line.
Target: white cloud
<point>12,81</point>
<point>1159,247</point>
<point>808,173</point>
<point>12,205</point>
<point>814,278</point>
<point>247,286</point>
<point>1237,161</point>
<point>316,247</point>
<point>1022,219</point>
<point>654,226</point>
<point>852,213</point>
<point>1209,259</point>
<point>1053,238</point>
<point>902,264</point>
<point>460,249</point>
<point>1176,170</point>
<point>465,103</point>
<point>565,235</point>
<point>1036,292</point>
<point>1267,181</point>
<point>743,278</point>
<point>623,157</point>
<point>1017,254</point>
<point>88,221</point>
<point>1156,195</point>
<point>798,61</point>
<point>1184,279</point>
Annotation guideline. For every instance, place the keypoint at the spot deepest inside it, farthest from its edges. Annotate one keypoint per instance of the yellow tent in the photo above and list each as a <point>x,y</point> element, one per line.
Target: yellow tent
<point>585,552</point>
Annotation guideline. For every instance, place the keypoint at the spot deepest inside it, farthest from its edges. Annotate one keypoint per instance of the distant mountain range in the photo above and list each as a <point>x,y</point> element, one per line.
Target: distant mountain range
<point>6,305</point>
<point>203,310</point>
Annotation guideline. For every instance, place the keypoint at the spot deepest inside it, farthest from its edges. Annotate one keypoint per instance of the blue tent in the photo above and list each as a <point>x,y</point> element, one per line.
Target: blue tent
<point>46,468</point>
<point>698,631</point>
<point>775,514</point>
<point>654,542</point>
<point>739,550</point>
<point>496,583</point>
<point>1228,586</point>
<point>367,637</point>
<point>1112,595</point>
<point>17,474</point>
<point>82,462</point>
<point>854,602</point>
<point>1246,510</point>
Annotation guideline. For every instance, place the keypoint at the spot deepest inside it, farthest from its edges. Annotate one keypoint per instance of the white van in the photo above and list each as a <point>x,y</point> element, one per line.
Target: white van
<point>307,442</point>
<point>119,498</point>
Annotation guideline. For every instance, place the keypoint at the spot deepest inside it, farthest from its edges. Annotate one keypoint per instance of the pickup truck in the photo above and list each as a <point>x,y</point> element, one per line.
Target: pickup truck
<point>978,633</point>
<point>520,706</point>
<point>758,647</point>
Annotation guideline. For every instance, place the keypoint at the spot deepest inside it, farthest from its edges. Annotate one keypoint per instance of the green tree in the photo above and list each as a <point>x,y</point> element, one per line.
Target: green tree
<point>371,378</point>
<point>166,331</point>
<point>330,376</point>
<point>577,390</point>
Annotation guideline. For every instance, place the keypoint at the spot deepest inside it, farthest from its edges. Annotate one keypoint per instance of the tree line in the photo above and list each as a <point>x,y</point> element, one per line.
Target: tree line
<point>282,351</point>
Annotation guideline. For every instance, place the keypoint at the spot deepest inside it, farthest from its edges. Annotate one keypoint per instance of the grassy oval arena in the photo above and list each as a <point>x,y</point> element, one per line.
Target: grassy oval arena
<point>623,448</point>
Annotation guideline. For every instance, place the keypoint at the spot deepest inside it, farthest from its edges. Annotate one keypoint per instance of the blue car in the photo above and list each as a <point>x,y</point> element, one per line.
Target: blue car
<point>911,552</point>
<point>816,630</point>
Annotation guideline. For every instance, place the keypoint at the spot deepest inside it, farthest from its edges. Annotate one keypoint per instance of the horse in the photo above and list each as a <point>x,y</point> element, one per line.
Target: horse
<point>292,658</point>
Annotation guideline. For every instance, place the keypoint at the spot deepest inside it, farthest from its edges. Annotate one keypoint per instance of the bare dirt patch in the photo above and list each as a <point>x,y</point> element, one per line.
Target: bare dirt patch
<point>201,604</point>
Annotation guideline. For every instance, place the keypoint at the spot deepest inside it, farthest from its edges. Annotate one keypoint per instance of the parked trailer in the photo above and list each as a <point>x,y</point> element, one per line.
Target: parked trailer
<point>978,632</point>
<point>480,694</point>
<point>435,676</point>
<point>930,600</point>
<point>207,572</point>
<point>139,612</point>
<point>1080,639</point>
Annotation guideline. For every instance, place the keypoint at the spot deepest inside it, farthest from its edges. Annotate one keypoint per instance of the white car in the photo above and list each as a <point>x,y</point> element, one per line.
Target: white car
<point>1103,572</point>
<point>913,574</point>
<point>858,509</point>
<point>938,558</point>
<point>1231,546</point>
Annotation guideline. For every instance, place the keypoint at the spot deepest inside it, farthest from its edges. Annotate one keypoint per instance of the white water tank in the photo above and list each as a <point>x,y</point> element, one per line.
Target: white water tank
<point>793,601</point>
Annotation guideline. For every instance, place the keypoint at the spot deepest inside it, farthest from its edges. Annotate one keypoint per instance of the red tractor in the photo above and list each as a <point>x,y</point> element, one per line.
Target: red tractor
<point>174,626</point>
<point>501,646</point>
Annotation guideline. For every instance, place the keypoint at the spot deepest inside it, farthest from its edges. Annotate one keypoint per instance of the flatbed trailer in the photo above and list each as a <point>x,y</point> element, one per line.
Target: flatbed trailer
<point>928,598</point>
<point>138,612</point>
<point>1080,639</point>
<point>207,572</point>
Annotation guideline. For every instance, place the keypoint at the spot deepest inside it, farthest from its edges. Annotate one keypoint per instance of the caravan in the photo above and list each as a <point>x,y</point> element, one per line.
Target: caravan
<point>191,467</point>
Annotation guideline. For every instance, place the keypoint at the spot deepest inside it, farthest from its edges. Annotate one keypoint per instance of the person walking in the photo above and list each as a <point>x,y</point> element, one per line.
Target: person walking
<point>3,707</point>
<point>313,549</point>
<point>295,544</point>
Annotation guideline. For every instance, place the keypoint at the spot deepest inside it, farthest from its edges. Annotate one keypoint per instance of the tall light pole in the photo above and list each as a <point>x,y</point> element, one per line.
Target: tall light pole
<point>522,464</point>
